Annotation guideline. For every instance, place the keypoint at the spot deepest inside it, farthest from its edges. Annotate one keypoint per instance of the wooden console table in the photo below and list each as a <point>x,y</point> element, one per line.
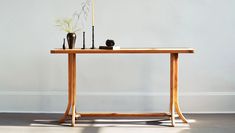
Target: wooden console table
<point>174,103</point>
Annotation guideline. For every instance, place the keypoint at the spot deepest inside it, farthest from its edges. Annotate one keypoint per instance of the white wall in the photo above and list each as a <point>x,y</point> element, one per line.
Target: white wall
<point>33,80</point>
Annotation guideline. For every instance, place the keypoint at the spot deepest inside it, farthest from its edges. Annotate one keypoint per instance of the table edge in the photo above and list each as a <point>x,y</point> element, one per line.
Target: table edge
<point>123,51</point>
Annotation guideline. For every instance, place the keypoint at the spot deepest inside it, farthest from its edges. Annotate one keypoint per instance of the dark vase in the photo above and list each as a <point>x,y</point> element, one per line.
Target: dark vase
<point>71,38</point>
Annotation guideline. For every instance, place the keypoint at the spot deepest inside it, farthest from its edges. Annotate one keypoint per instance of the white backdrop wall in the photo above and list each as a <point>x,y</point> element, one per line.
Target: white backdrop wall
<point>33,80</point>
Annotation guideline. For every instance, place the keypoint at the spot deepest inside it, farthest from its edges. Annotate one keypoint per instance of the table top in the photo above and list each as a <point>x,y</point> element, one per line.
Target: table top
<point>122,51</point>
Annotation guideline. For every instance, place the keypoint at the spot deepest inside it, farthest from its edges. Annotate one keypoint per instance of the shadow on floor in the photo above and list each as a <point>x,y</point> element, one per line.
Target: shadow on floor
<point>199,123</point>
<point>40,120</point>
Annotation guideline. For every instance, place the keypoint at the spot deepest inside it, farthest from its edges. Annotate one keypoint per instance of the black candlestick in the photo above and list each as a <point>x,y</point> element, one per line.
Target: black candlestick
<point>83,44</point>
<point>64,44</point>
<point>93,38</point>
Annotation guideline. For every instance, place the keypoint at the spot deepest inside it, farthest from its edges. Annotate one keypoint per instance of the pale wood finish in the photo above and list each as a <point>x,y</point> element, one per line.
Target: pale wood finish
<point>123,51</point>
<point>77,115</point>
<point>174,103</point>
<point>177,108</point>
<point>72,90</point>
<point>172,87</point>
<point>73,67</point>
<point>176,99</point>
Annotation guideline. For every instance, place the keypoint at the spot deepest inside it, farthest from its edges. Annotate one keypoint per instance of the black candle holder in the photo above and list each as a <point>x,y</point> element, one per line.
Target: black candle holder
<point>63,46</point>
<point>93,37</point>
<point>83,42</point>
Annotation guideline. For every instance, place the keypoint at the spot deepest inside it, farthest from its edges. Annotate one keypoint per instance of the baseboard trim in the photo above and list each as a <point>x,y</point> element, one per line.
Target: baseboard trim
<point>61,93</point>
<point>55,102</point>
<point>54,112</point>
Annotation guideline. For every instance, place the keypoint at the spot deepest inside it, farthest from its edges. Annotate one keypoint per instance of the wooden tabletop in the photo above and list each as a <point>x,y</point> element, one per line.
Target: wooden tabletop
<point>122,51</point>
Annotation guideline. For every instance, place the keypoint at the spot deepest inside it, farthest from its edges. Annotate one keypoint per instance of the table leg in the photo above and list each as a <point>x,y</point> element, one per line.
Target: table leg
<point>174,102</point>
<point>177,108</point>
<point>172,87</point>
<point>71,89</point>
<point>73,84</point>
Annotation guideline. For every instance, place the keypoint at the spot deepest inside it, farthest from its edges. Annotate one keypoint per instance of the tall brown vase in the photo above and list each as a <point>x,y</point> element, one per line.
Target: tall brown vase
<point>71,38</point>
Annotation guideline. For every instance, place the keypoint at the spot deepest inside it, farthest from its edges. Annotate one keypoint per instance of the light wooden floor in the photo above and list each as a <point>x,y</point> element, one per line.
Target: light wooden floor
<point>46,123</point>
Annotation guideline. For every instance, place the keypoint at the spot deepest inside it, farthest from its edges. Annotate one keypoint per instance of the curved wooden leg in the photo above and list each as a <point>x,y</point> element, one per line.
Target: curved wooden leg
<point>177,108</point>
<point>73,116</point>
<point>178,111</point>
<point>172,113</point>
<point>71,89</point>
<point>171,97</point>
<point>172,86</point>
<point>174,82</point>
<point>73,80</point>
<point>172,108</point>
